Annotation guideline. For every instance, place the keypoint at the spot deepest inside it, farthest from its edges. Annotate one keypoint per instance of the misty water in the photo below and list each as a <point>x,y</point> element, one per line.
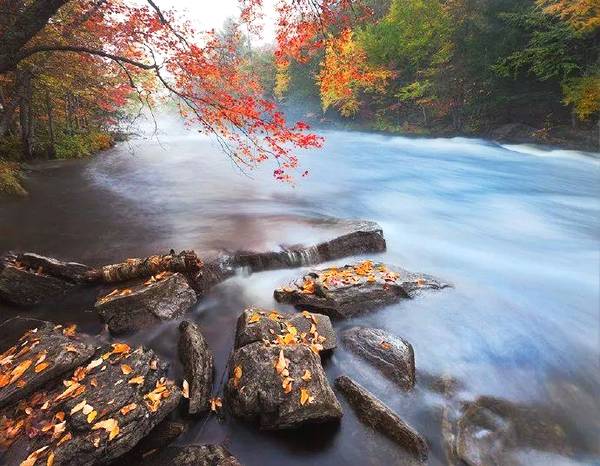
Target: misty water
<point>515,229</point>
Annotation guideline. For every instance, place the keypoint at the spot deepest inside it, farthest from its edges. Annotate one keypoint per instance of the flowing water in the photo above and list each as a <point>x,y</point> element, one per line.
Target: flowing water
<point>514,228</point>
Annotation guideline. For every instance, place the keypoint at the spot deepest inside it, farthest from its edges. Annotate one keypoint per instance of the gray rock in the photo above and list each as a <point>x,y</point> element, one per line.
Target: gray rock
<point>345,291</point>
<point>360,237</point>
<point>70,271</point>
<point>48,351</point>
<point>143,305</point>
<point>128,392</point>
<point>391,355</point>
<point>257,325</point>
<point>198,363</point>
<point>193,455</point>
<point>26,287</point>
<point>378,416</point>
<point>255,389</point>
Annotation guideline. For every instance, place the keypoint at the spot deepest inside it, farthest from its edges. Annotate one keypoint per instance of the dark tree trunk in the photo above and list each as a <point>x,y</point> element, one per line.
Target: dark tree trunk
<point>51,151</point>
<point>25,115</point>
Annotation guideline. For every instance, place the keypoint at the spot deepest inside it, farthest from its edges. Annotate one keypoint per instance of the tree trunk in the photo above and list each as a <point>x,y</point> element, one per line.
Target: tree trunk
<point>25,115</point>
<point>51,151</point>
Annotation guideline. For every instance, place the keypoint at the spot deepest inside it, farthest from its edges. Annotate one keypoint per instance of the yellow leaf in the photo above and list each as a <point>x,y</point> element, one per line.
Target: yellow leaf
<point>78,407</point>
<point>185,390</point>
<point>91,416</point>
<point>70,330</point>
<point>139,380</point>
<point>281,364</point>
<point>68,436</point>
<point>287,384</point>
<point>254,317</point>
<point>307,376</point>
<point>304,396</point>
<point>126,369</point>
<point>87,409</point>
<point>50,460</point>
<point>111,426</point>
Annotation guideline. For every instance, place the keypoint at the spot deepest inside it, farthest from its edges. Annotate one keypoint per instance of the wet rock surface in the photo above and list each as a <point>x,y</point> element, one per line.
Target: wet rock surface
<point>284,386</point>
<point>393,356</point>
<point>491,431</point>
<point>342,292</point>
<point>362,237</point>
<point>193,455</point>
<point>257,325</point>
<point>97,413</point>
<point>40,355</point>
<point>198,363</point>
<point>378,416</point>
<point>165,296</point>
<point>70,271</point>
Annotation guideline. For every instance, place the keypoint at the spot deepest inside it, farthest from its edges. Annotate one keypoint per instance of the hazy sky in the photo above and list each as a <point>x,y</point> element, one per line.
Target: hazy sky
<point>207,14</point>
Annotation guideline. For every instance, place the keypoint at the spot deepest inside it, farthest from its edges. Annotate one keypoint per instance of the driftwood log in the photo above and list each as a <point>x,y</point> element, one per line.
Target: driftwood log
<point>186,262</point>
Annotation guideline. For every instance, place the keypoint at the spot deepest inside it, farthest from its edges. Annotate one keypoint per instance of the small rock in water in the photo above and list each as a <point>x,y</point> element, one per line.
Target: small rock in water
<point>99,412</point>
<point>259,324</point>
<point>342,292</point>
<point>198,363</point>
<point>39,356</point>
<point>282,384</point>
<point>391,355</point>
<point>165,296</point>
<point>378,416</point>
<point>192,455</point>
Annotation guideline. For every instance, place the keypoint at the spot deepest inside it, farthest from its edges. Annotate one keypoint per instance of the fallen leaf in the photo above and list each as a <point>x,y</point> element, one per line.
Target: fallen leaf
<point>70,330</point>
<point>154,364</point>
<point>91,416</point>
<point>20,383</point>
<point>185,391</point>
<point>19,370</point>
<point>4,379</point>
<point>119,348</point>
<point>287,384</point>
<point>59,429</point>
<point>127,409</point>
<point>32,458</point>
<point>139,380</point>
<point>281,364</point>
<point>237,375</point>
<point>68,436</point>
<point>111,426</point>
<point>307,376</point>
<point>50,460</point>
<point>126,369</point>
<point>215,404</point>
<point>94,382</point>
<point>87,409</point>
<point>304,396</point>
<point>40,367</point>
<point>70,348</point>
<point>385,345</point>
<point>95,363</point>
<point>254,317</point>
<point>78,407</point>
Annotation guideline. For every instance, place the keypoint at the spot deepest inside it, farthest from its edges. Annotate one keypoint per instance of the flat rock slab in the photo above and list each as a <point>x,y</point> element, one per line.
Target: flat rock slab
<point>358,237</point>
<point>40,355</point>
<point>198,363</point>
<point>378,416</point>
<point>283,386</point>
<point>165,296</point>
<point>393,356</point>
<point>342,292</point>
<point>101,411</point>
<point>70,271</point>
<point>259,324</point>
<point>194,455</point>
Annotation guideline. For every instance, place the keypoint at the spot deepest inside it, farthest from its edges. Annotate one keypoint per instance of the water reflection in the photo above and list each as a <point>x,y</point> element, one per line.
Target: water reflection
<point>515,230</point>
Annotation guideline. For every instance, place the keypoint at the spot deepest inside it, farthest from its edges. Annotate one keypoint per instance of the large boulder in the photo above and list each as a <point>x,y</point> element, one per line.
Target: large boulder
<point>96,415</point>
<point>165,296</point>
<point>70,271</point>
<point>40,355</point>
<point>259,325</point>
<point>283,386</point>
<point>342,292</point>
<point>378,416</point>
<point>357,237</point>
<point>158,438</point>
<point>391,355</point>
<point>198,363</point>
<point>192,455</point>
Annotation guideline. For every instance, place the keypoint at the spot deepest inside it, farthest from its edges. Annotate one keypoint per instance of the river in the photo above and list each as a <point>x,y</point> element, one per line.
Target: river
<point>515,229</point>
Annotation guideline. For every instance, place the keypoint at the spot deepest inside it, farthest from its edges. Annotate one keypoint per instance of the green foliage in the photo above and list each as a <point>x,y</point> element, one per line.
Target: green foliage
<point>584,94</point>
<point>82,145</point>
<point>10,148</point>
<point>11,179</point>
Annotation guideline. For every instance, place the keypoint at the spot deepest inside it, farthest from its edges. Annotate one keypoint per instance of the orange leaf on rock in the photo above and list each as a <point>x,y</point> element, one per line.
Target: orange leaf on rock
<point>19,370</point>
<point>33,457</point>
<point>305,396</point>
<point>215,404</point>
<point>139,380</point>
<point>185,389</point>
<point>70,330</point>
<point>40,367</point>
<point>111,426</point>
<point>307,376</point>
<point>128,408</point>
<point>126,369</point>
<point>281,364</point>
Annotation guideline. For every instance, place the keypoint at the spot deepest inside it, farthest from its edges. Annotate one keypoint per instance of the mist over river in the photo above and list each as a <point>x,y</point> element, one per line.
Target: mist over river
<point>515,229</point>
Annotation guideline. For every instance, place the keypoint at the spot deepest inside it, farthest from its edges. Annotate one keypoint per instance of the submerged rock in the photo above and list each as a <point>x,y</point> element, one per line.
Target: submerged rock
<point>101,411</point>
<point>258,325</point>
<point>391,355</point>
<point>345,291</point>
<point>361,237</point>
<point>163,297</point>
<point>378,416</point>
<point>198,363</point>
<point>41,355</point>
<point>284,386</point>
<point>491,430</point>
<point>193,455</point>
